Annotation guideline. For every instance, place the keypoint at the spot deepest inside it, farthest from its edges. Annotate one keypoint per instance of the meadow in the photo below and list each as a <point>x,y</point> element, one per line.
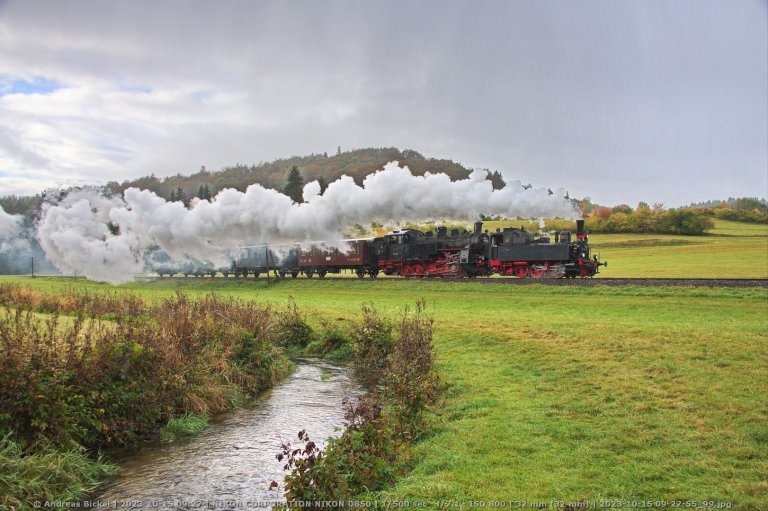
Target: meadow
<point>570,394</point>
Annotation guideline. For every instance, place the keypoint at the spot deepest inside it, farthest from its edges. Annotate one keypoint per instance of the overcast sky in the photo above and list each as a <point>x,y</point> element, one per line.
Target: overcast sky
<point>622,101</point>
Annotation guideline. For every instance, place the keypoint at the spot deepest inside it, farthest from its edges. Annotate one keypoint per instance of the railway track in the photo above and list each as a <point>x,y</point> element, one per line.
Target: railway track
<point>587,282</point>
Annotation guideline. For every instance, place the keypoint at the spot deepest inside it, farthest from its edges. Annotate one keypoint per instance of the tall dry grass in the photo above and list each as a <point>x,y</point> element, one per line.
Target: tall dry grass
<point>95,382</point>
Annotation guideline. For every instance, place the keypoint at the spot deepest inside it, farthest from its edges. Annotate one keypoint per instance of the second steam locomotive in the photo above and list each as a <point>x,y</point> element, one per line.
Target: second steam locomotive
<point>411,253</point>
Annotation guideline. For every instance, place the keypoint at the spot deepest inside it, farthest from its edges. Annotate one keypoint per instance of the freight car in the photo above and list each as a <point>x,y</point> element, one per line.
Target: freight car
<point>162,264</point>
<point>319,259</point>
<point>257,259</point>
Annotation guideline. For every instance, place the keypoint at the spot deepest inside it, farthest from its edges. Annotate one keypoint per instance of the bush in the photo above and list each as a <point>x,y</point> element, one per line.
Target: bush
<point>86,382</point>
<point>411,381</point>
<point>372,343</point>
<point>752,216</point>
<point>292,328</point>
<point>373,448</point>
<point>689,222</point>
<point>75,383</point>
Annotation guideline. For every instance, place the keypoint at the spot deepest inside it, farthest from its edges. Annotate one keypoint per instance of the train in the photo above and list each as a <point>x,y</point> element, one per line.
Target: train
<point>410,253</point>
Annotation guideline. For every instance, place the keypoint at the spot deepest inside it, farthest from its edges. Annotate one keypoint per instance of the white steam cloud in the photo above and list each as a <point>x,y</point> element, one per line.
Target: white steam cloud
<point>9,224</point>
<point>106,238</point>
<point>11,232</point>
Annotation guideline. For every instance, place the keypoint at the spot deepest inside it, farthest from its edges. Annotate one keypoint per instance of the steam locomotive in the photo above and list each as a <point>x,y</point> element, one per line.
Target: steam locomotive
<point>413,254</point>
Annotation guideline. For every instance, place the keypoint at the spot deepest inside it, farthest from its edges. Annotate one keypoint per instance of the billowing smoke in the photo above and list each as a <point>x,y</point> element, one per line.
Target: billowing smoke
<point>15,247</point>
<point>77,236</point>
<point>11,232</point>
<point>106,238</point>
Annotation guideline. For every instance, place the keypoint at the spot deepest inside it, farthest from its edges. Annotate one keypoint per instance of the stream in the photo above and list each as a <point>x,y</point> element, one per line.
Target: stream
<point>232,463</point>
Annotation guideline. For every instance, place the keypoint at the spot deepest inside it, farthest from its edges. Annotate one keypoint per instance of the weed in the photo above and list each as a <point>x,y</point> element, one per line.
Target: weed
<point>187,424</point>
<point>46,475</point>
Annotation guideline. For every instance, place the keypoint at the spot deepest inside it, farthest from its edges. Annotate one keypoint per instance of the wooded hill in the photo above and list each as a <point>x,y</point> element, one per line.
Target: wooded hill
<point>357,164</point>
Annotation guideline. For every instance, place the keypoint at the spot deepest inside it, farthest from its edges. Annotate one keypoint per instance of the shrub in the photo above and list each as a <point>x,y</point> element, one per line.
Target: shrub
<point>75,383</point>
<point>374,446</point>
<point>411,381</point>
<point>677,221</point>
<point>372,343</point>
<point>91,383</point>
<point>292,328</point>
<point>364,458</point>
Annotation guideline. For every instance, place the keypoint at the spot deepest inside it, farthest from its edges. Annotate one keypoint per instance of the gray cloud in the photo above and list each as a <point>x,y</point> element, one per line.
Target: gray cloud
<point>661,101</point>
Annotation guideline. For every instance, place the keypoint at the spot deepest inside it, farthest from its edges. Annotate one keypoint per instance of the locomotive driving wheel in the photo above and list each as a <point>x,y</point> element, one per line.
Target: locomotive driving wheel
<point>537,273</point>
<point>522,272</point>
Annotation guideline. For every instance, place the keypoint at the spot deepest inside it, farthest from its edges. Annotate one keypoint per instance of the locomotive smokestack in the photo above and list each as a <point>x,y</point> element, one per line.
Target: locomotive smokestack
<point>478,227</point>
<point>580,229</point>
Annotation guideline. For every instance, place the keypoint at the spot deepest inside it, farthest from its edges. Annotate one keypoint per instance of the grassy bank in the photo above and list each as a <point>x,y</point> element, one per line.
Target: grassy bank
<point>118,371</point>
<point>569,393</point>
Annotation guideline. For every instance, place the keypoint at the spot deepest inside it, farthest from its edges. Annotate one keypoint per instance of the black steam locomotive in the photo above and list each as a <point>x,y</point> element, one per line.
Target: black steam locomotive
<point>413,254</point>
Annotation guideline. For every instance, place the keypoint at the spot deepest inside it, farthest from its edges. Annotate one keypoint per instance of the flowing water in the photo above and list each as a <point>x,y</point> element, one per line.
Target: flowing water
<point>232,463</point>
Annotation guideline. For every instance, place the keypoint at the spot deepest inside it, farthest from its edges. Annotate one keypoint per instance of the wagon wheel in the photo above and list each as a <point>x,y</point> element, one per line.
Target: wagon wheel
<point>309,273</point>
<point>282,274</point>
<point>321,274</point>
<point>360,273</point>
<point>294,274</point>
<point>373,273</point>
<point>256,274</point>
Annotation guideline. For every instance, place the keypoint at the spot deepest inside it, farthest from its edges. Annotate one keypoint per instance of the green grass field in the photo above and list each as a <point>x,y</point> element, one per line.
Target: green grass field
<point>576,394</point>
<point>569,394</point>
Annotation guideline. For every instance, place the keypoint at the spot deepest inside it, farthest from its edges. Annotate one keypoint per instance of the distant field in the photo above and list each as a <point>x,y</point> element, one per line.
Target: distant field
<point>628,393</point>
<point>730,250</point>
